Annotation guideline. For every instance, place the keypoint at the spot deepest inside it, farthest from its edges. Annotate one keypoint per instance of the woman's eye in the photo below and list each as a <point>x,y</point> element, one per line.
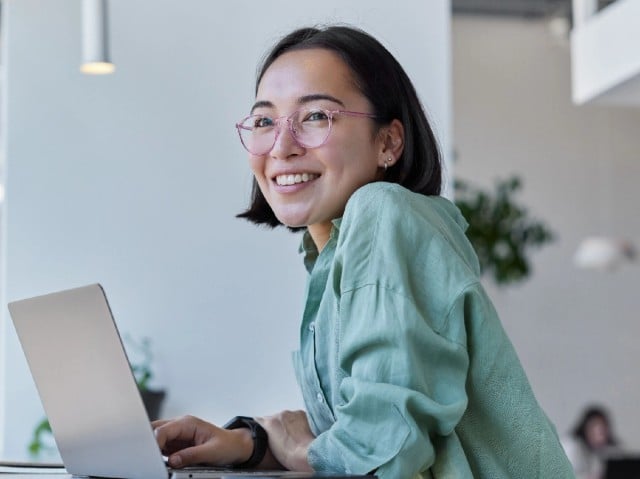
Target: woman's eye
<point>262,121</point>
<point>315,115</point>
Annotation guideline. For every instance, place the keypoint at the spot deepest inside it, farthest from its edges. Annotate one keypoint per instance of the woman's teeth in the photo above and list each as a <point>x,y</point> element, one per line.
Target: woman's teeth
<point>285,180</point>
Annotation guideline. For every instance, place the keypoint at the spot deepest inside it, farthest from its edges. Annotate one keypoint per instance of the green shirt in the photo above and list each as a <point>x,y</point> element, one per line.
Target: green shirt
<point>403,363</point>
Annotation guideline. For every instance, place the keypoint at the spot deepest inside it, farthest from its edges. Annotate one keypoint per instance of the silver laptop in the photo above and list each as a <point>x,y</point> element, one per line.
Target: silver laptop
<point>89,393</point>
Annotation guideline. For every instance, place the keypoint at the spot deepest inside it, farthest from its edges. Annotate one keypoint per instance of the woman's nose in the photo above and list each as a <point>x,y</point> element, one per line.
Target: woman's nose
<point>286,145</point>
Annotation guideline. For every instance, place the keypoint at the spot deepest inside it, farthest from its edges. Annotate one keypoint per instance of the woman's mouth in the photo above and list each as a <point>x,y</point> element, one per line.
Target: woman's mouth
<point>287,180</point>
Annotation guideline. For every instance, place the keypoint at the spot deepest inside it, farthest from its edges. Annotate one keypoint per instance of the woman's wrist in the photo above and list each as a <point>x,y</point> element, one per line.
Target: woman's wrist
<point>244,445</point>
<point>259,439</point>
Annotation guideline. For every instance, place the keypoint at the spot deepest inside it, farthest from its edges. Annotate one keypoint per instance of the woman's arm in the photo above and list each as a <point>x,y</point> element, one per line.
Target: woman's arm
<point>400,386</point>
<point>189,440</point>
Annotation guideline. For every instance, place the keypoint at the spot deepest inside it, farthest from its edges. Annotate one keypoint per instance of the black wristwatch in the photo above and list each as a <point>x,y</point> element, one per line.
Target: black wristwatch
<point>259,436</point>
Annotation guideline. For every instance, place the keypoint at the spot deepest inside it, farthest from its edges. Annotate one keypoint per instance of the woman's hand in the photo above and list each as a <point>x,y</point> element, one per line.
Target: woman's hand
<point>188,440</point>
<point>289,438</point>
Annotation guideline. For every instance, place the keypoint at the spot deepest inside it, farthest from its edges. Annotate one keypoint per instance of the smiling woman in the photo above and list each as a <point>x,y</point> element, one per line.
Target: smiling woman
<point>403,364</point>
<point>170,109</point>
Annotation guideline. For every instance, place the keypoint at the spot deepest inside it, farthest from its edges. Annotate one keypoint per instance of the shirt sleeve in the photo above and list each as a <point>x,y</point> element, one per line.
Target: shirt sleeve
<point>400,384</point>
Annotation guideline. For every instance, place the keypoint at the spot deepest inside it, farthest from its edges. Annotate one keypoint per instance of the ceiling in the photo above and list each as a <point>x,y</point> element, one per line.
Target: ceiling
<point>517,8</point>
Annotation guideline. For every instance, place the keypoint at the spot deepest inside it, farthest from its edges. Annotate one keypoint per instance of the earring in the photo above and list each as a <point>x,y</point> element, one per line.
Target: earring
<point>386,163</point>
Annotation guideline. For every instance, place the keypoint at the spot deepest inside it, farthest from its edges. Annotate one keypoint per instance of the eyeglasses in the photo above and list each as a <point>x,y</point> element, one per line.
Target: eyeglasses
<point>309,128</point>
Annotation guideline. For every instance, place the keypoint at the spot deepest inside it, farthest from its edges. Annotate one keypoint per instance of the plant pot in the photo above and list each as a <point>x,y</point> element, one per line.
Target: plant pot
<point>153,400</point>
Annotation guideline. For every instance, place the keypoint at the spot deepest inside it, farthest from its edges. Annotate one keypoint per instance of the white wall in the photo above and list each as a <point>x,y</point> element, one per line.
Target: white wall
<point>576,331</point>
<point>605,58</point>
<point>133,180</point>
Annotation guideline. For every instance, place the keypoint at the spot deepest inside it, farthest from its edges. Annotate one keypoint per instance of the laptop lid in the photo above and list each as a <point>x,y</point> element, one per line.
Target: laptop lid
<point>622,467</point>
<point>86,385</point>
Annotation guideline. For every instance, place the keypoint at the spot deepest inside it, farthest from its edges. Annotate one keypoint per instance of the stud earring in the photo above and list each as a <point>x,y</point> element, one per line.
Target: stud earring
<point>386,163</point>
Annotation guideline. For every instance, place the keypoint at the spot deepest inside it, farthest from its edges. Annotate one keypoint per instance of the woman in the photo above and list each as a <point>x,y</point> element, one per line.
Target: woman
<point>591,443</point>
<point>404,367</point>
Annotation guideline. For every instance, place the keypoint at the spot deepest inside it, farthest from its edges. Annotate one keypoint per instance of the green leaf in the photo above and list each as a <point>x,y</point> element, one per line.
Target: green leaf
<point>500,230</point>
<point>37,444</point>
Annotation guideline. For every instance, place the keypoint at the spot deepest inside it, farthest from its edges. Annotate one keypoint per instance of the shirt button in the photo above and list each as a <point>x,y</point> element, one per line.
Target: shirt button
<point>320,398</point>
<point>312,327</point>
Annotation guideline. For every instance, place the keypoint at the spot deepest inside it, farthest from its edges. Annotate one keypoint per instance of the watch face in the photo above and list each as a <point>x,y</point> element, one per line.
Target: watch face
<point>240,421</point>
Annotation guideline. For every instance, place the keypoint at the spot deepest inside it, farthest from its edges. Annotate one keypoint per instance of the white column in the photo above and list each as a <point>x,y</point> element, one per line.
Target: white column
<point>583,10</point>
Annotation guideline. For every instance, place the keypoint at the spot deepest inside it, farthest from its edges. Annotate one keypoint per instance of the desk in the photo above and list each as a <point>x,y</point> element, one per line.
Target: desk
<point>18,470</point>
<point>63,475</point>
<point>31,470</point>
<point>26,475</point>
<point>12,471</point>
<point>38,475</point>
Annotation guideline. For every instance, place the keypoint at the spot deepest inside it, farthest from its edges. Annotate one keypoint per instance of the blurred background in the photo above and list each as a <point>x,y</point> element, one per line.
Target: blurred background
<point>132,179</point>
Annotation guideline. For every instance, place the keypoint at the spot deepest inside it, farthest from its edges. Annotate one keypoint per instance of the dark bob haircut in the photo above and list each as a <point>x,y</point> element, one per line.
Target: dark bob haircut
<point>594,412</point>
<point>383,81</point>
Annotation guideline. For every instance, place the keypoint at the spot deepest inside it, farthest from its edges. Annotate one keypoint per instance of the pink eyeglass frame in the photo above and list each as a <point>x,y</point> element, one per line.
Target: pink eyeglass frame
<point>289,119</point>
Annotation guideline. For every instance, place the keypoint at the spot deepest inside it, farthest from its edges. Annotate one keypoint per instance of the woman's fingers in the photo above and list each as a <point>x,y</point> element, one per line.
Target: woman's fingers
<point>178,433</point>
<point>201,454</point>
<point>159,422</point>
<point>188,440</point>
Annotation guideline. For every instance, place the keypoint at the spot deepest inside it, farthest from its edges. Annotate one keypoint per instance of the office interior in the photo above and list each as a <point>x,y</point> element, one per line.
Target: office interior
<point>133,179</point>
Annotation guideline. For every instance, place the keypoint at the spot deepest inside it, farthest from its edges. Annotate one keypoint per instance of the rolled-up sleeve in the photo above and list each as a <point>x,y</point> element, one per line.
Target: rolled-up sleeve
<point>399,384</point>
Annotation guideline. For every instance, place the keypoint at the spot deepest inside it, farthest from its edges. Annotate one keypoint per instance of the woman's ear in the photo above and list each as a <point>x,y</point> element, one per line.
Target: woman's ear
<point>391,144</point>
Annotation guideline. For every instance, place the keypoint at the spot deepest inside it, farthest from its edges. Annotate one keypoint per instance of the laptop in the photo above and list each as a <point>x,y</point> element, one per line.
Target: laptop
<point>89,393</point>
<point>622,467</point>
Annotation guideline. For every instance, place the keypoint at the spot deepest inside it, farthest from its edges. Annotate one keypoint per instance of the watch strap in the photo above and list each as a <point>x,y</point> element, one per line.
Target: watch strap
<point>259,436</point>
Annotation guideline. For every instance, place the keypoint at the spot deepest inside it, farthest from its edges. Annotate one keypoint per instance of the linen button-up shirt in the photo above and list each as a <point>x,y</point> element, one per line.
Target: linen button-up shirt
<point>403,364</point>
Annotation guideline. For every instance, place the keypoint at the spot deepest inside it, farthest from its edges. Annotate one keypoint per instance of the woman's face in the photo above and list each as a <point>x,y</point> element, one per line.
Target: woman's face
<point>325,177</point>
<point>596,432</point>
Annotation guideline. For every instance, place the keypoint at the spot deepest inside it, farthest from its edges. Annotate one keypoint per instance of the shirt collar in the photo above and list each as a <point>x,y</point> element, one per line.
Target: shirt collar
<point>309,249</point>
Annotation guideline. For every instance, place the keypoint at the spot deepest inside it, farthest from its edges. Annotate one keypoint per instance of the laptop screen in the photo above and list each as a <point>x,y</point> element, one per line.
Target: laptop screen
<point>626,467</point>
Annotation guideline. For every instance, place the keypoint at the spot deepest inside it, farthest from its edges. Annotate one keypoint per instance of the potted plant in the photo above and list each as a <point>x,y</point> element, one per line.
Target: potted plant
<point>500,230</point>
<point>140,357</point>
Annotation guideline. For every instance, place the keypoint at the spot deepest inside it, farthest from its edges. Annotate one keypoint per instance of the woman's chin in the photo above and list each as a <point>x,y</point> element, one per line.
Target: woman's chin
<point>292,221</point>
<point>293,224</point>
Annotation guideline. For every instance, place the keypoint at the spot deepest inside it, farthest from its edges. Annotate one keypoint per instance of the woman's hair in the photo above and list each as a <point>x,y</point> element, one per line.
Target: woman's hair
<point>383,81</point>
<point>593,412</point>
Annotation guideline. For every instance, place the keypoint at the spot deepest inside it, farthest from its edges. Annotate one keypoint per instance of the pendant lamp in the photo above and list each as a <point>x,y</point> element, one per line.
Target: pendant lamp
<point>95,38</point>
